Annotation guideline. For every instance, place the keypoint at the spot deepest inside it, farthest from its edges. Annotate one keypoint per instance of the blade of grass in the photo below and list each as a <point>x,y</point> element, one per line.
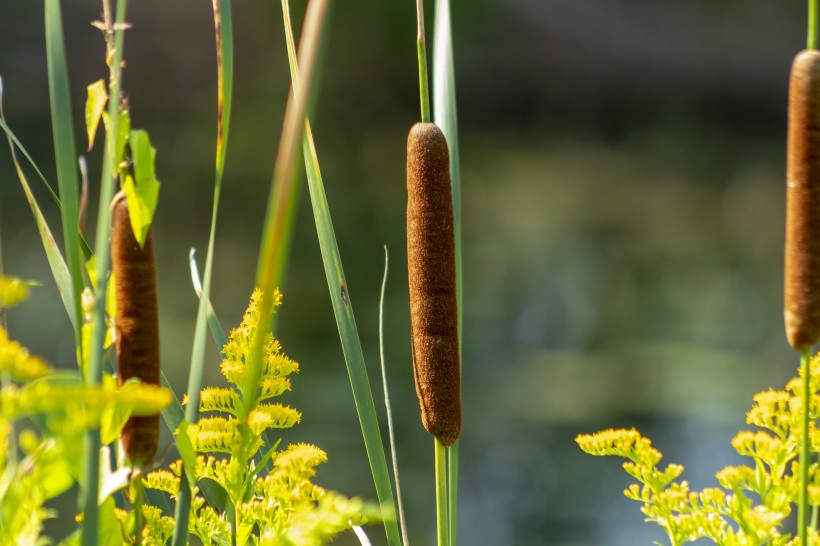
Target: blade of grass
<point>343,308</point>
<point>445,116</point>
<point>215,327</point>
<point>276,238</point>
<point>94,373</point>
<point>223,31</point>
<point>388,411</point>
<point>15,143</point>
<point>64,153</point>
<point>55,259</point>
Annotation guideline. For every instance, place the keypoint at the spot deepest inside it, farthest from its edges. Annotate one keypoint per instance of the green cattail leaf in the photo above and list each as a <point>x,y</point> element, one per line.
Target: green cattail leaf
<point>343,311</point>
<point>94,106</point>
<point>59,269</point>
<point>445,116</point>
<point>15,143</point>
<point>223,33</point>
<point>217,332</point>
<point>64,151</point>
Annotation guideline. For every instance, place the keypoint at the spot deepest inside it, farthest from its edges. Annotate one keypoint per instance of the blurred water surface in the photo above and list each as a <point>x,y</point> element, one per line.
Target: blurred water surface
<point>623,165</point>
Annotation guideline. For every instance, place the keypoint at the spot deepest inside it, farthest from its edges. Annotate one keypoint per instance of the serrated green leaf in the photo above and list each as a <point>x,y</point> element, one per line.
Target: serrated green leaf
<point>142,190</point>
<point>94,106</point>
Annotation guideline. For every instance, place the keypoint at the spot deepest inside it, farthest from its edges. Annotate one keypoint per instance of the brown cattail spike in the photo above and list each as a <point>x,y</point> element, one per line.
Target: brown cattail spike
<point>137,325</point>
<point>432,272</point>
<point>802,275</point>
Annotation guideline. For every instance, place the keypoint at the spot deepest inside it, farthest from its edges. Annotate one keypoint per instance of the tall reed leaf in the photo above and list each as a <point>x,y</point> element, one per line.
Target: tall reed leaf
<point>64,153</point>
<point>343,308</point>
<point>14,142</point>
<point>444,115</point>
<point>103,257</point>
<point>55,259</point>
<point>276,236</point>
<point>223,30</point>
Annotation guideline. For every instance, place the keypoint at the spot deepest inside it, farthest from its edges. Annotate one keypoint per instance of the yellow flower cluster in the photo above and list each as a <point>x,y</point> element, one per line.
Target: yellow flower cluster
<point>754,501</point>
<point>272,500</point>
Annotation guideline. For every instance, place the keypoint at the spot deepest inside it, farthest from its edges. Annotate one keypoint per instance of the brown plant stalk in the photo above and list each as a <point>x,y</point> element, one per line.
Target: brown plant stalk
<point>136,323</point>
<point>432,279</point>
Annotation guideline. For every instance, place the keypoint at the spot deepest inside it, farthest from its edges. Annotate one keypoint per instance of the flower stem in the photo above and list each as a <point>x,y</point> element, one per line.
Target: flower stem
<point>441,495</point>
<point>802,508</point>
<point>812,33</point>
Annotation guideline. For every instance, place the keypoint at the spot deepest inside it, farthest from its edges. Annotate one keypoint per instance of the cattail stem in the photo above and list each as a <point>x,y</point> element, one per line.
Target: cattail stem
<point>442,519</point>
<point>805,444</point>
<point>421,51</point>
<point>811,42</point>
<point>95,356</point>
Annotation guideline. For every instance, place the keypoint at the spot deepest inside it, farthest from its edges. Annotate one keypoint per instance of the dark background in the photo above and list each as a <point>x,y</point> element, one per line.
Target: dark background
<point>622,179</point>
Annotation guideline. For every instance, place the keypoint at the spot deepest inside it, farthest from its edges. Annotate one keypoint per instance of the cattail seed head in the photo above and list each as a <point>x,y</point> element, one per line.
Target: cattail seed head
<point>137,327</point>
<point>432,279</point>
<point>802,274</point>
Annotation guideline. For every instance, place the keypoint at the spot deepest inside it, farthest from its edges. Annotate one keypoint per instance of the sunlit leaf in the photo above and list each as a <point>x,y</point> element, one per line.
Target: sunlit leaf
<point>110,530</point>
<point>94,106</point>
<point>123,132</point>
<point>142,190</point>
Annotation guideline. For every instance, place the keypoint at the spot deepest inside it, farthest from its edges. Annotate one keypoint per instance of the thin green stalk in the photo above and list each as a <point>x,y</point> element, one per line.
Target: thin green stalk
<point>2,309</point>
<point>812,33</point>
<point>421,50</point>
<point>815,512</point>
<point>442,521</point>
<point>223,30</point>
<point>139,498</point>
<point>389,412</point>
<point>343,310</point>
<point>803,505</point>
<point>64,152</point>
<point>445,116</point>
<point>95,359</point>
<point>277,233</point>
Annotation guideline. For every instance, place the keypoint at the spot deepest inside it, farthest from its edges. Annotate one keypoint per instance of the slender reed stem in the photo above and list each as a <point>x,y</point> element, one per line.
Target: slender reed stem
<point>421,49</point>
<point>442,521</point>
<point>803,505</point>
<point>139,498</point>
<point>2,309</point>
<point>102,251</point>
<point>445,116</point>
<point>277,232</point>
<point>402,522</point>
<point>812,33</point>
